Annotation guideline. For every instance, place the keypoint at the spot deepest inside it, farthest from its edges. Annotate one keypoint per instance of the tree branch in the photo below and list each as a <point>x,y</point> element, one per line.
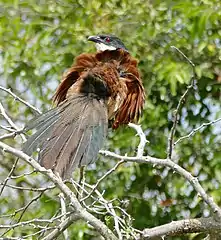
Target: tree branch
<point>143,140</point>
<point>8,119</point>
<point>20,100</point>
<point>180,227</point>
<point>196,130</point>
<point>62,227</point>
<point>64,212</point>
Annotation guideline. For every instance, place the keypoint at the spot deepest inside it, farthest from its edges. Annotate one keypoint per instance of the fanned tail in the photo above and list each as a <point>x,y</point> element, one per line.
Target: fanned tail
<point>70,135</point>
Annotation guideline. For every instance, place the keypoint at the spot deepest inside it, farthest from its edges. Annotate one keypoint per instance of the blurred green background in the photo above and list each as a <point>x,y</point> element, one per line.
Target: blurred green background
<point>38,42</point>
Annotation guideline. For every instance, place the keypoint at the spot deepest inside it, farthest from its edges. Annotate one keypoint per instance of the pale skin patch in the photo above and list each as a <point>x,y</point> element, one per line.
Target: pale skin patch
<point>103,47</point>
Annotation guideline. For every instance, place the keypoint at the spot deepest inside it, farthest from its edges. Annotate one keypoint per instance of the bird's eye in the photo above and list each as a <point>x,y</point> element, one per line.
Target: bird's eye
<point>107,39</point>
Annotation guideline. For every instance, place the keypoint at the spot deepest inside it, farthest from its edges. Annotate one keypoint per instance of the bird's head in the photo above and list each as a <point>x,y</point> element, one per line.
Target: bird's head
<point>107,42</point>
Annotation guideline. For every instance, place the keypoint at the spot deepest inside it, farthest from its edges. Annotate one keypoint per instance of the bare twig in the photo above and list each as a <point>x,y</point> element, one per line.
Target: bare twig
<point>7,128</point>
<point>30,189</point>
<point>8,119</point>
<point>186,58</point>
<point>34,221</point>
<point>196,130</point>
<point>102,178</point>
<point>116,222</point>
<point>20,99</point>
<point>23,175</point>
<point>41,231</point>
<point>8,135</point>
<point>64,211</point>
<point>9,176</point>
<point>143,140</point>
<point>32,201</point>
<point>180,103</point>
<point>12,238</point>
<point>81,181</point>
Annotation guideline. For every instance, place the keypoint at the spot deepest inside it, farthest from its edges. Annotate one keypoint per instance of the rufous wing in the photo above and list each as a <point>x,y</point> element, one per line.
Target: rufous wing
<point>130,109</point>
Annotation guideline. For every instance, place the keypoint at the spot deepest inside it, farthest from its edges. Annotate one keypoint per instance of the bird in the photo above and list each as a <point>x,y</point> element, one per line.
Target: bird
<point>100,90</point>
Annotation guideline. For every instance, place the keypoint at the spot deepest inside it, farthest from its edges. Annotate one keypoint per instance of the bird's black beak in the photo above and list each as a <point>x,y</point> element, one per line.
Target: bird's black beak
<point>95,39</point>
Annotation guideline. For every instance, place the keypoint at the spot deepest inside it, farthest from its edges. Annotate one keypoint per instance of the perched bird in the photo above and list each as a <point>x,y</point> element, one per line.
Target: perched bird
<point>100,88</point>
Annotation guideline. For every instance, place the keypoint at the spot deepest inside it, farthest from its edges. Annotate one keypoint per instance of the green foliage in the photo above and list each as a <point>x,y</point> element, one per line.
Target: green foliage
<point>38,42</point>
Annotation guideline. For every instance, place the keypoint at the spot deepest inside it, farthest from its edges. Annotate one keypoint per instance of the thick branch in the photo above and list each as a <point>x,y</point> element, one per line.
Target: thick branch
<point>176,228</point>
<point>62,227</point>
